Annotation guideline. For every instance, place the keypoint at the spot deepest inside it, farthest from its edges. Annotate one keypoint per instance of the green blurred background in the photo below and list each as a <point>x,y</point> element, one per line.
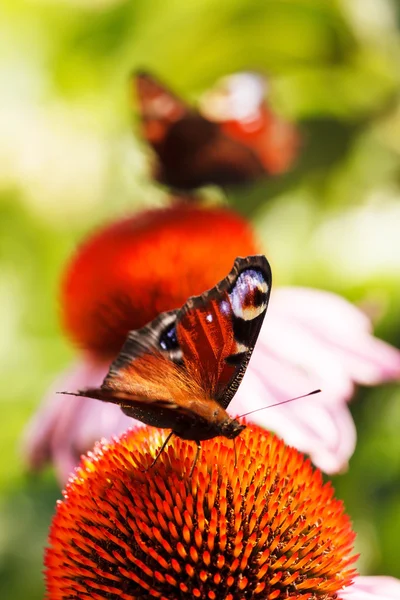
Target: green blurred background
<point>69,161</point>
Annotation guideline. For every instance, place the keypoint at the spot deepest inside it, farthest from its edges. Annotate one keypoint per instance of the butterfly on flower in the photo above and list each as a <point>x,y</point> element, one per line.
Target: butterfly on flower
<point>181,371</point>
<point>235,137</point>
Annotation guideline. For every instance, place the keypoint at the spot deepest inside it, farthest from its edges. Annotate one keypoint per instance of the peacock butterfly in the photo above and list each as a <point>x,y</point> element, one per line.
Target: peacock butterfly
<point>181,371</point>
<point>235,138</point>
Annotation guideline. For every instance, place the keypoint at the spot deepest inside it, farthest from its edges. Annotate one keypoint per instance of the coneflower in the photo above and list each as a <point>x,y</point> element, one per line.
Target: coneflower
<point>265,527</point>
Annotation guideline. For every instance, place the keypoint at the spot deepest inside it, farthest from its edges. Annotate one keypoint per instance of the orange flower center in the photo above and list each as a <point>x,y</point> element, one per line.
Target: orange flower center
<point>266,527</point>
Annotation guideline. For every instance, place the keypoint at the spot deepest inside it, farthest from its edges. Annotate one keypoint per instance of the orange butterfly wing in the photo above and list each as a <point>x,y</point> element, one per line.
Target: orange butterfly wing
<point>159,107</point>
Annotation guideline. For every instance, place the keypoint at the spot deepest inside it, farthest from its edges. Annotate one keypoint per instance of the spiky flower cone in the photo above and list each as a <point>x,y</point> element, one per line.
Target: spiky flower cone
<point>265,528</point>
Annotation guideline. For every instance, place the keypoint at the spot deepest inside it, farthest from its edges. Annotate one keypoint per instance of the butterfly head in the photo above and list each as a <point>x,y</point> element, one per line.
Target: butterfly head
<point>231,428</point>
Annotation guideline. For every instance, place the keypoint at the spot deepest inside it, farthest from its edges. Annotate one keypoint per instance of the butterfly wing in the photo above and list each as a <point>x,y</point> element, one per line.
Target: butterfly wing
<point>217,331</point>
<point>159,108</point>
<point>157,337</point>
<point>238,103</point>
<point>149,382</point>
<point>146,379</point>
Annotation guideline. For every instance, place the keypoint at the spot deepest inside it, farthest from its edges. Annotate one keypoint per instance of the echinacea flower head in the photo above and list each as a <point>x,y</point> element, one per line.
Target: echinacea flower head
<point>265,527</point>
<point>124,275</point>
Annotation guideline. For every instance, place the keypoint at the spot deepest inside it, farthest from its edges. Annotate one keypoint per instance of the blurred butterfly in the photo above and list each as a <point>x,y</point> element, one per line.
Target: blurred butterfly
<point>181,371</point>
<point>235,138</point>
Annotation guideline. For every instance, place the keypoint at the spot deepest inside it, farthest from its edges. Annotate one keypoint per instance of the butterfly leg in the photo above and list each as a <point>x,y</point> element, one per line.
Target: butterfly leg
<point>234,449</point>
<point>160,452</point>
<point>195,458</point>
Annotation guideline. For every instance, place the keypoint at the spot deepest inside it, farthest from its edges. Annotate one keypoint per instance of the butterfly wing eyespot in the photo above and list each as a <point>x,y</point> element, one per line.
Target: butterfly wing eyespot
<point>236,98</point>
<point>155,337</point>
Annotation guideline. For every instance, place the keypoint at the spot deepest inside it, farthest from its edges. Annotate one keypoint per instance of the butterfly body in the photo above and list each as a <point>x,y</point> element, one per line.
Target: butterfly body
<point>180,404</point>
<point>204,419</point>
<point>211,420</point>
<point>181,371</point>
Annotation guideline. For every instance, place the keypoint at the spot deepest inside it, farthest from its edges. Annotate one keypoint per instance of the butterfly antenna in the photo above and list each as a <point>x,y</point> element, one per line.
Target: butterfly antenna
<point>195,458</point>
<point>160,452</point>
<point>280,403</point>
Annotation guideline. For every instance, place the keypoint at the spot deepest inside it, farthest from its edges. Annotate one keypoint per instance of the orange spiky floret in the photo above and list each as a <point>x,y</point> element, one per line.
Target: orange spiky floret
<point>266,527</point>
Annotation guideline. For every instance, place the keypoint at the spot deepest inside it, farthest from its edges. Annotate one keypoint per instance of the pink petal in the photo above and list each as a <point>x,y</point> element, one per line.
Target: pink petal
<point>313,339</point>
<point>311,306</point>
<point>319,425</point>
<point>294,345</point>
<point>67,426</point>
<point>341,326</point>
<point>372,588</point>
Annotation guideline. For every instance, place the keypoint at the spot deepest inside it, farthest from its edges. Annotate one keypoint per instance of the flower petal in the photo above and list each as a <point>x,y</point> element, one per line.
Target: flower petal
<point>340,326</point>
<point>67,426</point>
<point>319,425</point>
<point>313,339</point>
<point>372,588</point>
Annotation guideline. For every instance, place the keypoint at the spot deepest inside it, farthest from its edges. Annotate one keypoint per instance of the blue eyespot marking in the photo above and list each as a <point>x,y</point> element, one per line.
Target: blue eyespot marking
<point>249,295</point>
